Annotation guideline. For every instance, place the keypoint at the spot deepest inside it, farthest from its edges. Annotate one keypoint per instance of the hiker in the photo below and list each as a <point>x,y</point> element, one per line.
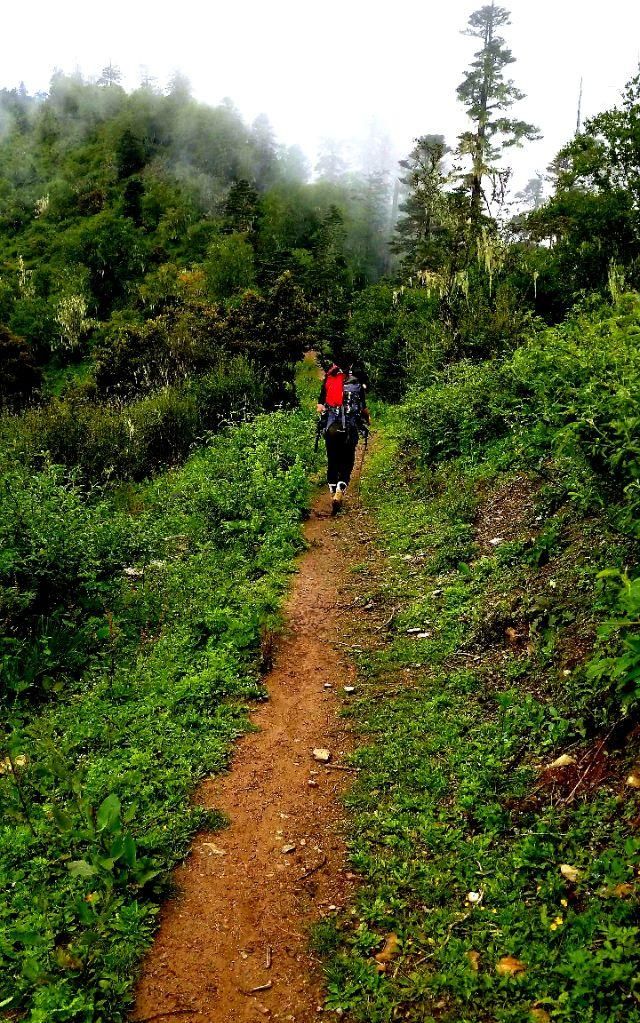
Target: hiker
<point>344,417</point>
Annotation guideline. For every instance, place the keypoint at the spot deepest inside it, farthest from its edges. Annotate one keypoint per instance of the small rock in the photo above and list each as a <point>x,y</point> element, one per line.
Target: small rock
<point>496,541</point>
<point>289,848</point>
<point>328,685</point>
<point>413,632</point>
<point>474,898</point>
<point>213,849</point>
<point>312,783</point>
<point>349,689</point>
<point>423,635</point>
<point>323,756</point>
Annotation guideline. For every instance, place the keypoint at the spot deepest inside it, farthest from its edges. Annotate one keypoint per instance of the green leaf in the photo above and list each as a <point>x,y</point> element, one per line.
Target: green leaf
<point>146,875</point>
<point>62,819</point>
<point>32,970</point>
<point>80,868</point>
<point>129,851</point>
<point>108,816</point>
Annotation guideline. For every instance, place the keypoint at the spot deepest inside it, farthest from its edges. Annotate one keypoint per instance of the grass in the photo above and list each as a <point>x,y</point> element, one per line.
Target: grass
<point>459,828</point>
<point>95,779</point>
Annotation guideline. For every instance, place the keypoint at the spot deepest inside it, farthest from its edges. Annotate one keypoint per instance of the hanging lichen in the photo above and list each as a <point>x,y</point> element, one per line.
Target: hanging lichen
<point>492,253</point>
<point>460,283</point>
<point>26,286</point>
<point>616,280</point>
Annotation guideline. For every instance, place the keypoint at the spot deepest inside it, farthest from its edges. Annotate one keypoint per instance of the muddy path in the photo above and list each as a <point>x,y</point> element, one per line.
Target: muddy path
<point>233,944</point>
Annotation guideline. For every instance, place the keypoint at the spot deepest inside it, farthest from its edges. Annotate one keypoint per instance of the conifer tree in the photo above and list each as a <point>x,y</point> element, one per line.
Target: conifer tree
<point>488,97</point>
<point>420,229</point>
<point>111,75</point>
<point>331,166</point>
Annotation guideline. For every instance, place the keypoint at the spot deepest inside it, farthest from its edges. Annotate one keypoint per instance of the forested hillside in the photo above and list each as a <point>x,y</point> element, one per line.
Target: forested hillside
<point>146,238</point>
<point>164,267</point>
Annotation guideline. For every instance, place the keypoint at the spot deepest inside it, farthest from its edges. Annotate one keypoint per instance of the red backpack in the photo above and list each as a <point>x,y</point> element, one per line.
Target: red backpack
<point>334,384</point>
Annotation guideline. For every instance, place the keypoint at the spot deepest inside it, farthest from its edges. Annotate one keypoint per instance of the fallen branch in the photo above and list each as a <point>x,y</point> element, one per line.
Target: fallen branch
<point>591,763</point>
<point>312,870</point>
<point>340,767</point>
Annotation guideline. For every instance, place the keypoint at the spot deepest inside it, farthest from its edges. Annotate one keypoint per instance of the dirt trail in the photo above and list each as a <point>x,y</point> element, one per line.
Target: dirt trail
<point>241,918</point>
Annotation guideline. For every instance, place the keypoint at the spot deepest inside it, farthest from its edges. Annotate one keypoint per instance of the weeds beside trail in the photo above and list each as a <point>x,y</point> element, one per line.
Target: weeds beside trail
<point>167,600</point>
<point>494,818</point>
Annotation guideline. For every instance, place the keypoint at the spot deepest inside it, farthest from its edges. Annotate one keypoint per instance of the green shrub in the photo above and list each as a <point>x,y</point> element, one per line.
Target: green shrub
<point>108,441</point>
<point>395,336</point>
<point>19,375</point>
<point>60,554</point>
<point>579,385</point>
<point>456,415</point>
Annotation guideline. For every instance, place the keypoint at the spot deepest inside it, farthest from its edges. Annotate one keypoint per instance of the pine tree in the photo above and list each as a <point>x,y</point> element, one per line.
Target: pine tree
<point>421,228</point>
<point>331,166</point>
<point>111,75</point>
<point>532,195</point>
<point>241,208</point>
<point>488,97</point>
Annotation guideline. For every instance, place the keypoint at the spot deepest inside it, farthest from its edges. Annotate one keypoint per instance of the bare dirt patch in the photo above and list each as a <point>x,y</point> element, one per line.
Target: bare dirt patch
<point>233,945</point>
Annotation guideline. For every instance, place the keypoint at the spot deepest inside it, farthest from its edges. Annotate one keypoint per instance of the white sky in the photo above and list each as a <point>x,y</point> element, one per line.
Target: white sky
<point>326,69</point>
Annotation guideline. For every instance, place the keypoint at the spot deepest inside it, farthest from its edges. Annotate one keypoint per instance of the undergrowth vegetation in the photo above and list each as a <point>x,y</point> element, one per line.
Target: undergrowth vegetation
<point>132,627</point>
<point>495,815</point>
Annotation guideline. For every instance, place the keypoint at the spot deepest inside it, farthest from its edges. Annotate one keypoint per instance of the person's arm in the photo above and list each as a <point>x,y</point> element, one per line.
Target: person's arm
<point>322,398</point>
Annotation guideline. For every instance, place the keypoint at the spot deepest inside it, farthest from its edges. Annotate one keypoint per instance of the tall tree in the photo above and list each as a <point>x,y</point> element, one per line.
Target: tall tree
<point>111,75</point>
<point>488,97</point>
<point>532,195</point>
<point>331,165</point>
<point>420,230</point>
<point>265,151</point>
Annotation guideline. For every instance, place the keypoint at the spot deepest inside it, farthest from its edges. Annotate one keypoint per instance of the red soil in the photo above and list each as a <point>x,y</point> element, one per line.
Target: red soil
<point>233,944</point>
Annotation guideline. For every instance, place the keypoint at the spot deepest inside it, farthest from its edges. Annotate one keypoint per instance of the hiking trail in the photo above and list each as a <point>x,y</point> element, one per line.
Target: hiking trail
<point>233,944</point>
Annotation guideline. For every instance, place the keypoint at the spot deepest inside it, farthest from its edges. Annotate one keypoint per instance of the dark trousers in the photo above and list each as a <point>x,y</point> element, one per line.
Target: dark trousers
<point>341,455</point>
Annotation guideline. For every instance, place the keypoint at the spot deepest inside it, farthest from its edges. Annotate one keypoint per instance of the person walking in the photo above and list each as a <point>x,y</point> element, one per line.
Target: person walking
<point>344,417</point>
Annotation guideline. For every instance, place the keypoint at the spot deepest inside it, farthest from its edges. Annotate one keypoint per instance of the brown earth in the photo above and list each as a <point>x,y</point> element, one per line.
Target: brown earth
<point>233,944</point>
